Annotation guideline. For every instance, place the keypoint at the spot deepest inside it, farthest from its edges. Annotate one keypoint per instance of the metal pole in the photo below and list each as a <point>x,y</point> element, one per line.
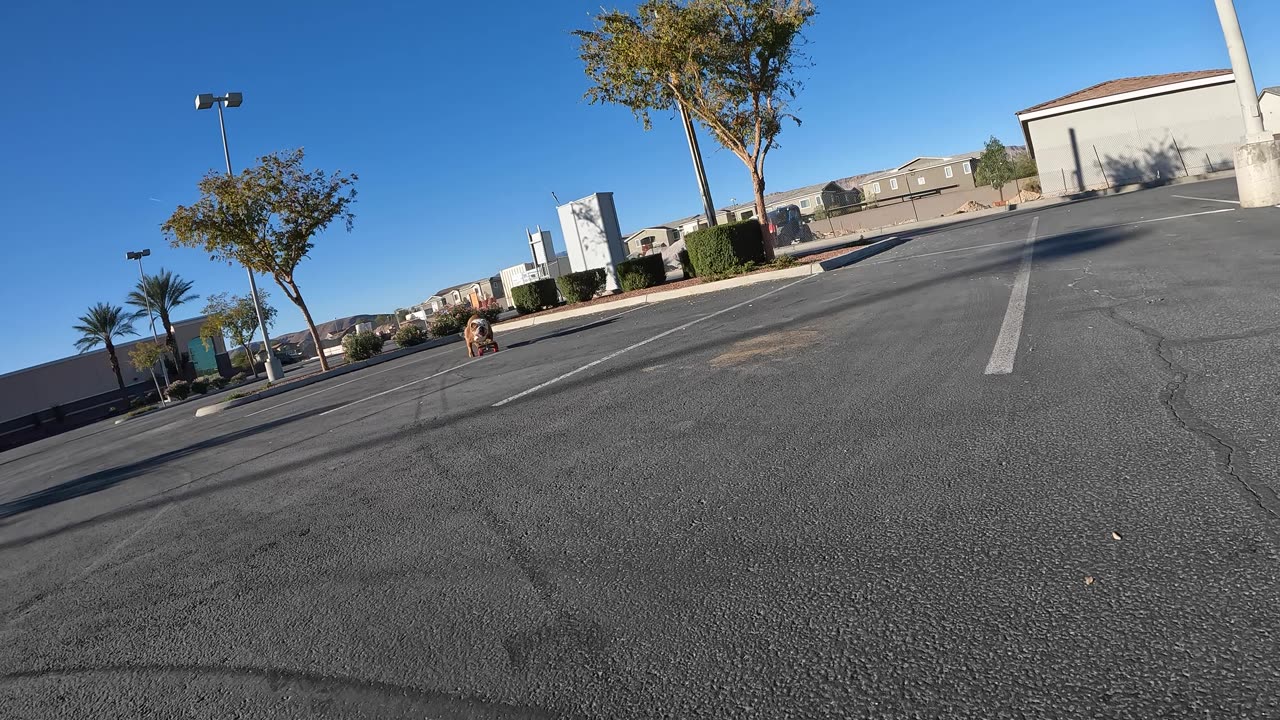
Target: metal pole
<point>1101,169</point>
<point>911,196</point>
<point>1181,159</point>
<point>273,370</point>
<point>1254,131</point>
<point>708,207</point>
<point>164,369</point>
<point>1210,162</point>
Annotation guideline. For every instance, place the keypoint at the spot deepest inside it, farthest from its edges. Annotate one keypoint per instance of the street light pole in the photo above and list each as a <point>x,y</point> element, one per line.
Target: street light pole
<point>708,206</point>
<point>275,370</point>
<point>164,369</point>
<point>1257,161</point>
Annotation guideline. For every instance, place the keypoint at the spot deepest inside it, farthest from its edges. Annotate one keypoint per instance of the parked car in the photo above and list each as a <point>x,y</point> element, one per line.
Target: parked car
<point>786,225</point>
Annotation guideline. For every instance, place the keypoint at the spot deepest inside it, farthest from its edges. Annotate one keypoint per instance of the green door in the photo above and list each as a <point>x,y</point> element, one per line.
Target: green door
<point>205,362</point>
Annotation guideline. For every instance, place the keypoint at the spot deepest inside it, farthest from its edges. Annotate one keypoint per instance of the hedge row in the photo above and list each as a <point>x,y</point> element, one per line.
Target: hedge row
<point>642,272</point>
<point>719,250</point>
<point>535,296</point>
<point>581,286</point>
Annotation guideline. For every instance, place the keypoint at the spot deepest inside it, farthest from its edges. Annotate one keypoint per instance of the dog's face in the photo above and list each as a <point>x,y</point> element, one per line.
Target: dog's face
<point>478,328</point>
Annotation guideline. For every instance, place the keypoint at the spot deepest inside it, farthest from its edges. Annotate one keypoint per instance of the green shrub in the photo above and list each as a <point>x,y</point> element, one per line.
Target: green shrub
<point>643,272</point>
<point>238,377</point>
<point>410,335</point>
<point>453,320</point>
<point>200,386</point>
<point>581,286</point>
<point>215,381</point>
<point>1032,184</point>
<point>179,390</point>
<point>535,296</point>
<point>720,249</point>
<point>361,346</point>
<point>240,361</point>
<point>685,265</point>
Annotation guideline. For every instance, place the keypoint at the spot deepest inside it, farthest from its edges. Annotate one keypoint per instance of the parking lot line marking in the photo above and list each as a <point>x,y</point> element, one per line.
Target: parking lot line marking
<point>1006,348</point>
<point>646,341</point>
<point>944,252</point>
<point>401,387</point>
<point>1188,197</point>
<point>360,376</point>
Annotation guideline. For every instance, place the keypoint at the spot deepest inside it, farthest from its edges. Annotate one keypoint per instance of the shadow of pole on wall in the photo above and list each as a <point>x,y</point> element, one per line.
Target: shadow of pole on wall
<point>1075,157</point>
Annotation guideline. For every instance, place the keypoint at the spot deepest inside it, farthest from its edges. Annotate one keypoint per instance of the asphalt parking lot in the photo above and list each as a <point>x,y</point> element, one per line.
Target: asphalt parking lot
<point>1024,466</point>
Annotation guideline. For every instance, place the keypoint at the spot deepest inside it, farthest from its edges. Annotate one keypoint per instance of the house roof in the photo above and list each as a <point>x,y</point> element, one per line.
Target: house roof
<point>1272,90</point>
<point>899,170</point>
<point>1125,85</point>
<point>918,159</point>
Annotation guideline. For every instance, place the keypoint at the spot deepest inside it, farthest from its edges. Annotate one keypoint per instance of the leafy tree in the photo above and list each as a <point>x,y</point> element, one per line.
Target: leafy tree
<point>102,325</point>
<point>1024,166</point>
<point>165,291</point>
<point>729,63</point>
<point>994,166</point>
<point>265,218</point>
<point>146,354</point>
<point>234,317</point>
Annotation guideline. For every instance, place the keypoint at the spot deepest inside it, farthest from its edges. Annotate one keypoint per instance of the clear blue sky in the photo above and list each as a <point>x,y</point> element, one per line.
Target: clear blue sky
<point>461,124</point>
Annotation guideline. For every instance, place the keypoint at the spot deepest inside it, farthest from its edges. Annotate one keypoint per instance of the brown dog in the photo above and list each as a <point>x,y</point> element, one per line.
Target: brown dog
<point>479,336</point>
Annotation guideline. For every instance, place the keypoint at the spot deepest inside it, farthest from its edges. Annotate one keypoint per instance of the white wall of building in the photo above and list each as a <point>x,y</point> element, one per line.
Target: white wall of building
<point>1150,138</point>
<point>1270,105</point>
<point>592,235</point>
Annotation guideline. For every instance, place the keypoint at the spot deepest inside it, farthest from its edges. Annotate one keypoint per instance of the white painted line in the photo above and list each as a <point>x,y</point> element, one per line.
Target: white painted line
<point>944,252</point>
<point>401,387</point>
<point>359,376</point>
<point>112,551</point>
<point>1006,348</point>
<point>642,343</point>
<point>1188,197</point>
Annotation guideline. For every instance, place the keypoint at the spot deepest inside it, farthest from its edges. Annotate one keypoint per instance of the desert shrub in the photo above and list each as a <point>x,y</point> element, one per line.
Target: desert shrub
<point>200,386</point>
<point>721,249</point>
<point>685,265</point>
<point>535,296</point>
<point>643,272</point>
<point>215,381</point>
<point>361,346</point>
<point>581,286</point>
<point>179,390</point>
<point>1032,184</point>
<point>410,335</point>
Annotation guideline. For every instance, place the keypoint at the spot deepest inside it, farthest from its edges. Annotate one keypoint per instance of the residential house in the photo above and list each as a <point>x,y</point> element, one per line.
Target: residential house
<point>640,242</point>
<point>528,272</point>
<point>925,175</point>
<point>1269,102</point>
<point>474,293</point>
<point>1135,129</point>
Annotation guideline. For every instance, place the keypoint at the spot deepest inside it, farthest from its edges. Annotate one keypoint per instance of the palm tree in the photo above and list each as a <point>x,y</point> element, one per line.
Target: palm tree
<point>101,326</point>
<point>165,291</point>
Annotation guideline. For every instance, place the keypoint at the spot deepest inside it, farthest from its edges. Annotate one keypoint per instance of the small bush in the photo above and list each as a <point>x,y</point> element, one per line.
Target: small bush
<point>721,249</point>
<point>643,272</point>
<point>581,286</point>
<point>535,296</point>
<point>238,377</point>
<point>200,386</point>
<point>410,335</point>
<point>1032,184</point>
<point>179,390</point>
<point>361,346</point>
<point>782,262</point>
<point>215,381</point>
<point>685,266</point>
<point>152,397</point>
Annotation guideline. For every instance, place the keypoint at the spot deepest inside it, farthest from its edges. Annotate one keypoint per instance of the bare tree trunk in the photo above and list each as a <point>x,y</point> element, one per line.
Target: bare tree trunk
<point>115,368</point>
<point>248,356</point>
<point>296,297</point>
<point>757,183</point>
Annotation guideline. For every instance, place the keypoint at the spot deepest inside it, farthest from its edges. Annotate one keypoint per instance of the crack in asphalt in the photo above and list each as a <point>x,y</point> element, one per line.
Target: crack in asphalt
<point>1174,398</point>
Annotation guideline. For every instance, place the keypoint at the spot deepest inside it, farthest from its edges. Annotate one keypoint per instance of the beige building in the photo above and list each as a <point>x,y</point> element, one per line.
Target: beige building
<point>1139,129</point>
<point>638,243</point>
<point>83,388</point>
<point>925,175</point>
<point>1269,102</point>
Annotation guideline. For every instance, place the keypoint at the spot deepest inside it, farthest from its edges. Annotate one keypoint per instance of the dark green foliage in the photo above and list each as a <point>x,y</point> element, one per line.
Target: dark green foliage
<point>200,386</point>
<point>238,377</point>
<point>410,335</point>
<point>179,390</point>
<point>535,296</point>
<point>719,250</point>
<point>581,286</point>
<point>361,346</point>
<point>686,266</point>
<point>643,272</point>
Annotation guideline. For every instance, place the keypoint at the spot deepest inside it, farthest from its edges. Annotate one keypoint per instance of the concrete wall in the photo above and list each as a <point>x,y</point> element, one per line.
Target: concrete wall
<point>1270,105</point>
<point>898,213</point>
<point>1152,138</point>
<point>69,380</point>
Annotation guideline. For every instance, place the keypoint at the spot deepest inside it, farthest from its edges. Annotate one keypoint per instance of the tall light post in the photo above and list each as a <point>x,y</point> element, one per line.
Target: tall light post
<point>1258,159</point>
<point>204,101</point>
<point>164,368</point>
<point>708,206</point>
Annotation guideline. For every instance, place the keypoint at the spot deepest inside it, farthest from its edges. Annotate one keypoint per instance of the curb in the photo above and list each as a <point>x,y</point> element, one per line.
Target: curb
<point>834,263</point>
<point>320,377</point>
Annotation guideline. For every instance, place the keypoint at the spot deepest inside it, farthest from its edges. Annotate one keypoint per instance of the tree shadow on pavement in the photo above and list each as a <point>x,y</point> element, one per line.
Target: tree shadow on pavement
<point>104,479</point>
